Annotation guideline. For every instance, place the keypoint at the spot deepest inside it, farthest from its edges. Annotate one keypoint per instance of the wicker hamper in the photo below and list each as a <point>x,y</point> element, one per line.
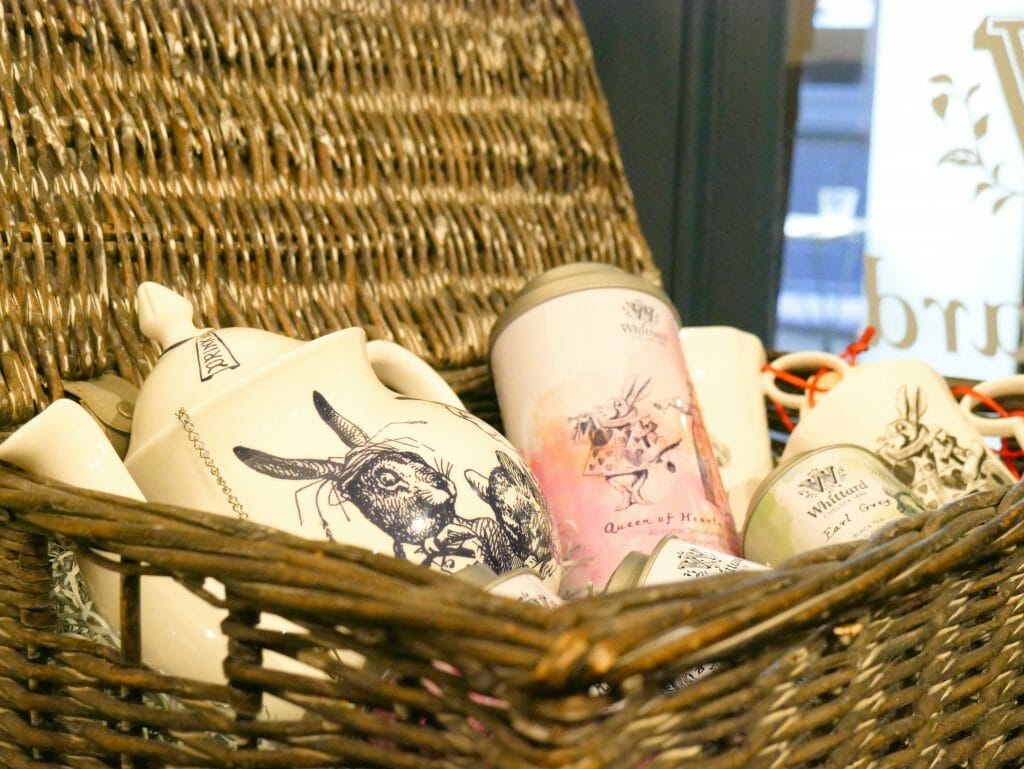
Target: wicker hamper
<point>304,166</point>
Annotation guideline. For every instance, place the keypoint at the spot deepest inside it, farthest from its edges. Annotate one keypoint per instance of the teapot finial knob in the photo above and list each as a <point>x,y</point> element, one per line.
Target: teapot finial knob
<point>164,316</point>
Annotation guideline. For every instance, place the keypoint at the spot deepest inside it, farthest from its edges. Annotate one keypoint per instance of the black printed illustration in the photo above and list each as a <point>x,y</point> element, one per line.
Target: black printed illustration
<point>413,501</point>
<point>693,563</point>
<point>930,460</point>
<point>520,511</point>
<point>627,440</point>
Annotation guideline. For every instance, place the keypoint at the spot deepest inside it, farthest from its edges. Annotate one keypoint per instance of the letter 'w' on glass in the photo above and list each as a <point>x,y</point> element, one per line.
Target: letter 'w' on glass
<point>1004,38</point>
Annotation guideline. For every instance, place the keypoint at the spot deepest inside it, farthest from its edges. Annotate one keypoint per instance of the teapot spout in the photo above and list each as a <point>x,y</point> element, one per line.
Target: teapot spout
<point>65,444</point>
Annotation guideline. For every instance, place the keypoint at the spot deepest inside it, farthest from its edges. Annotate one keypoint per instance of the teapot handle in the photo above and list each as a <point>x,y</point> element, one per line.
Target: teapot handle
<point>408,374</point>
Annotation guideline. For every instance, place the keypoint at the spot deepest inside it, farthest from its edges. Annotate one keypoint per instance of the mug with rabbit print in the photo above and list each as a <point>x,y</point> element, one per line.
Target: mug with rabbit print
<point>904,412</point>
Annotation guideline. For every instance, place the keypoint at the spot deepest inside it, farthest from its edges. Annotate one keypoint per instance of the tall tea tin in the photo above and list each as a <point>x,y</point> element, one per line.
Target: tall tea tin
<point>594,392</point>
<point>823,497</point>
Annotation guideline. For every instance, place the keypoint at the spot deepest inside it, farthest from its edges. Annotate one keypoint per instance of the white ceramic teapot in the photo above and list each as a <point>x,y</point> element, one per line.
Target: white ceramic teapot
<point>304,437</point>
<point>181,633</point>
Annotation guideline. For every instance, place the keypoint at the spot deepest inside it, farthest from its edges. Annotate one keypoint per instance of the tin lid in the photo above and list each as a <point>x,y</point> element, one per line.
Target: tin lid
<point>479,574</point>
<point>783,467</point>
<point>649,562</point>
<point>627,573</point>
<point>569,278</point>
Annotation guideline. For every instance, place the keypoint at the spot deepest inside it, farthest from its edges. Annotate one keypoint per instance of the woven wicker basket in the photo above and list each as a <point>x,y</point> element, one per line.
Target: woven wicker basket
<point>305,166</point>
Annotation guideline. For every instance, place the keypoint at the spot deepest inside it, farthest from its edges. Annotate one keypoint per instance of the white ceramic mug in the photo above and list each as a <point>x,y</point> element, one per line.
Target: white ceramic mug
<point>1001,427</point>
<point>725,366</point>
<point>903,411</point>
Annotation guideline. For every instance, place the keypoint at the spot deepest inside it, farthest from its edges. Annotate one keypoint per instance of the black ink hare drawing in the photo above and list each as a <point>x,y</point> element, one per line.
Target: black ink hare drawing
<point>414,502</point>
<point>514,496</point>
<point>626,442</point>
<point>930,460</point>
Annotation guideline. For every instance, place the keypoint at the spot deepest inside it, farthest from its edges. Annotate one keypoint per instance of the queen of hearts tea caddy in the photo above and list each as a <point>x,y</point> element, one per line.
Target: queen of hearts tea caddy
<point>305,437</point>
<point>594,392</point>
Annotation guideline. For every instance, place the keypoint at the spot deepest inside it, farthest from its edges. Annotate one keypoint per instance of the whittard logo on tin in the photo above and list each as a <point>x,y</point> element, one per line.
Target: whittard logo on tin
<point>824,485</point>
<point>642,321</point>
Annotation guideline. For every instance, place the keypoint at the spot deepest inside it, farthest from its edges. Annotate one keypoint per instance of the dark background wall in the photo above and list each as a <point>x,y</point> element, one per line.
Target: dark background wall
<point>698,95</point>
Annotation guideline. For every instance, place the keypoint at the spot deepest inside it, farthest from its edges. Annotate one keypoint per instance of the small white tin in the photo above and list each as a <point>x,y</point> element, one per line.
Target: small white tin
<point>521,584</point>
<point>674,560</point>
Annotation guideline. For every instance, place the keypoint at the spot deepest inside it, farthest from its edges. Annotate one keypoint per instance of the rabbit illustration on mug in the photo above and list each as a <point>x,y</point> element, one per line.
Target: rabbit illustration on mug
<point>928,458</point>
<point>409,499</point>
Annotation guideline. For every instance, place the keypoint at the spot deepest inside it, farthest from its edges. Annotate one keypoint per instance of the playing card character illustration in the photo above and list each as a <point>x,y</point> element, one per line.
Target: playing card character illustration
<point>930,460</point>
<point>628,438</point>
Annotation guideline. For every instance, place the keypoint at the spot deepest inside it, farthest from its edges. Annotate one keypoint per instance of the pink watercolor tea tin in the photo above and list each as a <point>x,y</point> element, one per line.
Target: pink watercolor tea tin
<point>594,392</point>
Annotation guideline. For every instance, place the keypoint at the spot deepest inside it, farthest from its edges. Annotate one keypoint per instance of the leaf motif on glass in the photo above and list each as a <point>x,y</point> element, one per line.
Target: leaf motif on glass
<point>962,156</point>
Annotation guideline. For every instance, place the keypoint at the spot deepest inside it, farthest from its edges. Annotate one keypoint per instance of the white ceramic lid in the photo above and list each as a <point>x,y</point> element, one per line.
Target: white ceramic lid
<point>196,363</point>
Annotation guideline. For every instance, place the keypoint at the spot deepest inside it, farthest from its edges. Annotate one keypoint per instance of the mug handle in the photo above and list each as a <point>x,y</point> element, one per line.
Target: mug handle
<point>810,359</point>
<point>1000,427</point>
<point>405,372</point>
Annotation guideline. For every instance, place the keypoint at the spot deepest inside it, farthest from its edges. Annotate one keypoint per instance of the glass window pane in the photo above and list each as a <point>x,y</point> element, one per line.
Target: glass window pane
<point>906,189</point>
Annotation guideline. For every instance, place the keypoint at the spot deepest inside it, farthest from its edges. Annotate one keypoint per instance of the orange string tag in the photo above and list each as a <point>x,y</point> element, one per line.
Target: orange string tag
<point>1006,453</point>
<point>821,380</point>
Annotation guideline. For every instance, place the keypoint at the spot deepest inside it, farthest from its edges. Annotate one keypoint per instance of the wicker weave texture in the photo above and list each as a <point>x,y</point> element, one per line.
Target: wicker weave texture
<point>304,166</point>
<point>904,651</point>
<point>295,166</point>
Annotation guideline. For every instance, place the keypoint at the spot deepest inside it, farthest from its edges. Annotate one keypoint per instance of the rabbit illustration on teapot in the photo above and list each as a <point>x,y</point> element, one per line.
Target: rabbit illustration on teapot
<point>402,469</point>
<point>414,501</point>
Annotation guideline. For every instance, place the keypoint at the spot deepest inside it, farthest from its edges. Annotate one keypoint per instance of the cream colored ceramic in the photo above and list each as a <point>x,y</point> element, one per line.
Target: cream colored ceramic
<point>181,632</point>
<point>903,411</point>
<point>304,437</point>
<point>725,365</point>
<point>803,361</point>
<point>1001,427</point>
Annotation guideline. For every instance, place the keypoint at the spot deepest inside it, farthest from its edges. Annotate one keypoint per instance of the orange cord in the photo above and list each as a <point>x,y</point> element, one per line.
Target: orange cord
<point>810,385</point>
<point>1007,454</point>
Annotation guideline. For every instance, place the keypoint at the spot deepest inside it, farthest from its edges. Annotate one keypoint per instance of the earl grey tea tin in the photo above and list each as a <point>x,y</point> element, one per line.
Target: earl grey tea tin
<point>834,494</point>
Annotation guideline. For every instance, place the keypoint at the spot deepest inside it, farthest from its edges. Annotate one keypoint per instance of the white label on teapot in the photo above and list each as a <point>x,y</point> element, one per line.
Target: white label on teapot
<point>213,356</point>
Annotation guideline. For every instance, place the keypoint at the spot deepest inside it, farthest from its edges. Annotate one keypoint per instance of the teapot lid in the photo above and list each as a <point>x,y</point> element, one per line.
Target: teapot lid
<point>195,363</point>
